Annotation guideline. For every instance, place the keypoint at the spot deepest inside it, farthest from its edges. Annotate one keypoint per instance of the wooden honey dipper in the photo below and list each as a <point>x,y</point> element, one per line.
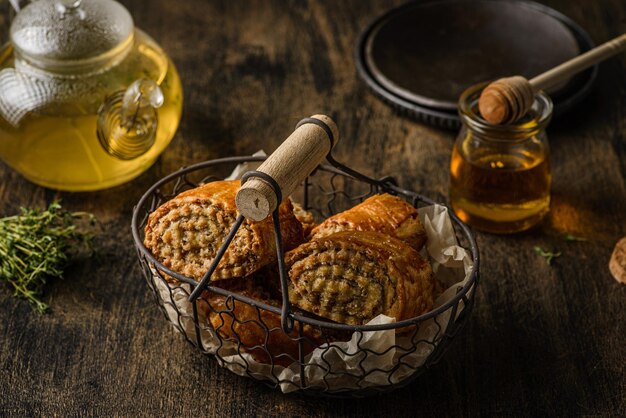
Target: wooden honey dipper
<point>508,99</point>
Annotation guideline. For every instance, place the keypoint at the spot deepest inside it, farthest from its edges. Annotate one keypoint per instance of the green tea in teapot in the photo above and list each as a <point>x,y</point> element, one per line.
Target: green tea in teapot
<point>80,110</point>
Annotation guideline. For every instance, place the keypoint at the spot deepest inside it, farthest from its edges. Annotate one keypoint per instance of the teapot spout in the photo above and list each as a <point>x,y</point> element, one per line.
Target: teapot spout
<point>128,120</point>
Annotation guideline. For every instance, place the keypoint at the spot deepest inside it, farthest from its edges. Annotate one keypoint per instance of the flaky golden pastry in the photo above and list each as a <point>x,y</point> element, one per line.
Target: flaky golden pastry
<point>258,331</point>
<point>186,232</point>
<point>305,217</point>
<point>351,277</point>
<point>382,213</point>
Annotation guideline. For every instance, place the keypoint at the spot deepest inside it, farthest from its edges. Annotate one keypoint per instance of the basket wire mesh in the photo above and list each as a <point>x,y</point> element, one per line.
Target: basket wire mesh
<point>328,190</point>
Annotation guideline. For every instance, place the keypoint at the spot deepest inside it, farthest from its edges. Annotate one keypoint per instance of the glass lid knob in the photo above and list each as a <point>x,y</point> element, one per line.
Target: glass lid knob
<point>64,6</point>
<point>70,30</point>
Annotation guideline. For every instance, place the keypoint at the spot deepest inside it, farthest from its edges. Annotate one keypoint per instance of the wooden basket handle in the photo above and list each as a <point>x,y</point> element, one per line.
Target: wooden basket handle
<point>288,166</point>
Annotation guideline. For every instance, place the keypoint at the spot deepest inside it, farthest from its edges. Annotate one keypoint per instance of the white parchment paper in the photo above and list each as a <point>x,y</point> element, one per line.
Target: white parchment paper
<point>369,359</point>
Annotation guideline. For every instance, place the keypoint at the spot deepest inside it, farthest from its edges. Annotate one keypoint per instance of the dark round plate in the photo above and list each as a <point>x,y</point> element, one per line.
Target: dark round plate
<point>420,56</point>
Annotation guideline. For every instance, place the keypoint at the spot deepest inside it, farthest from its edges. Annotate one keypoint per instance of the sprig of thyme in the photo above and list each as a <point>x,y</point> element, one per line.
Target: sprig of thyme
<point>37,245</point>
<point>570,237</point>
<point>548,255</point>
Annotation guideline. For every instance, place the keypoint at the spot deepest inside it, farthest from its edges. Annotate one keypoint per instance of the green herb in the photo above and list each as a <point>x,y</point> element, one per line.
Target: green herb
<point>37,245</point>
<point>548,255</point>
<point>570,237</point>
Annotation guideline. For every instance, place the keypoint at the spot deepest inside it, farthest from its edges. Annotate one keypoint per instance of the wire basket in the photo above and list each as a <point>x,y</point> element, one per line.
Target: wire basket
<point>346,360</point>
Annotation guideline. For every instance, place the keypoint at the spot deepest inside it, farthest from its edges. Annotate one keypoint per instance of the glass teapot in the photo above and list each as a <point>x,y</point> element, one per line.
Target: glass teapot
<point>87,101</point>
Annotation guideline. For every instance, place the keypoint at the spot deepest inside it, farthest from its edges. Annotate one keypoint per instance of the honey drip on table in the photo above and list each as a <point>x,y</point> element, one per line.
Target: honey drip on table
<point>500,193</point>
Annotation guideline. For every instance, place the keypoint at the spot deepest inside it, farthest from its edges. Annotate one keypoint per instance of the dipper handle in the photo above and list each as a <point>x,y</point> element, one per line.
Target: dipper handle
<point>289,165</point>
<point>579,63</point>
<point>508,99</point>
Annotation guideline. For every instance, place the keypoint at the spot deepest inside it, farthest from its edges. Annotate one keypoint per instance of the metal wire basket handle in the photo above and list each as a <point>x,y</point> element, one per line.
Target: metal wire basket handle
<point>262,191</point>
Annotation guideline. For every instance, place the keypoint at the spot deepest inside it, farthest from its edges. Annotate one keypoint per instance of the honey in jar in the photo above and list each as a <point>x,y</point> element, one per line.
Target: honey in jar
<point>500,175</point>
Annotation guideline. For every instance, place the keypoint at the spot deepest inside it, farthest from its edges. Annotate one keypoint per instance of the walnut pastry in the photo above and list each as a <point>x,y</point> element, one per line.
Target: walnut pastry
<point>383,213</point>
<point>257,331</point>
<point>304,216</point>
<point>186,232</point>
<point>352,276</point>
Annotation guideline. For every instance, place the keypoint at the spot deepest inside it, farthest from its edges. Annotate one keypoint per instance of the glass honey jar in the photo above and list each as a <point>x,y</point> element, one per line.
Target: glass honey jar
<point>500,174</point>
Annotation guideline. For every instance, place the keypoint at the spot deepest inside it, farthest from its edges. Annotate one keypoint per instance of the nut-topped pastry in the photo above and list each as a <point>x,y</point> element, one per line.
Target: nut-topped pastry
<point>352,276</point>
<point>304,216</point>
<point>382,213</point>
<point>186,232</point>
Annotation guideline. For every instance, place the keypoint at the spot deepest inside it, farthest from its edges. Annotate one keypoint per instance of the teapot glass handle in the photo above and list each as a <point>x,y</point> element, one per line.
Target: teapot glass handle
<point>128,120</point>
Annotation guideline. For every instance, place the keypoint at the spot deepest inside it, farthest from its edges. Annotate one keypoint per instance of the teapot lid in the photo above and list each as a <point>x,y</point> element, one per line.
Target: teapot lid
<point>52,31</point>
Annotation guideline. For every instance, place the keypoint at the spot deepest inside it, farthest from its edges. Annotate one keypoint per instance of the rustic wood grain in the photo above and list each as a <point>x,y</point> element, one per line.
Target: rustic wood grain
<point>543,340</point>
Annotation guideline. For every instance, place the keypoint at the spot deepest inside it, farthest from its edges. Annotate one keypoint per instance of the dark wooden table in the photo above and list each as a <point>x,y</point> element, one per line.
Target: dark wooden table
<point>543,340</point>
